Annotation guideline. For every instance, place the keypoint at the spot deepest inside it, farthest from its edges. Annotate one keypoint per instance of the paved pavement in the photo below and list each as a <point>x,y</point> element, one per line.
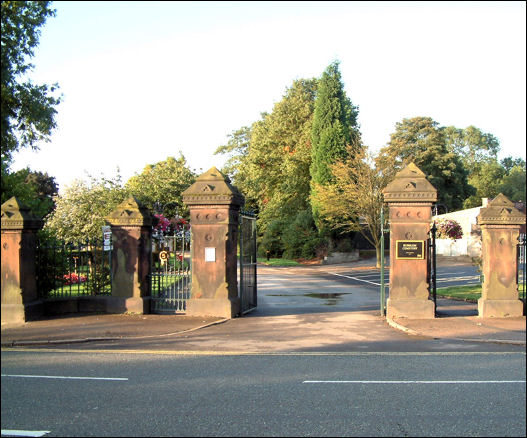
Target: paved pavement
<point>253,332</point>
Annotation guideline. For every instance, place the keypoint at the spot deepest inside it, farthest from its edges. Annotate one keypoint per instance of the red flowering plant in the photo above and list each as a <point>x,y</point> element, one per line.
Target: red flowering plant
<point>73,278</point>
<point>181,228</point>
<point>161,226</point>
<point>448,229</point>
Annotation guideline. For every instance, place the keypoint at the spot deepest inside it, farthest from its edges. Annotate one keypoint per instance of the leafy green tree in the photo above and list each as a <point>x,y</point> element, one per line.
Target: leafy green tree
<point>473,146</point>
<point>273,171</point>
<point>509,162</point>
<point>493,177</point>
<point>236,149</point>
<point>269,162</point>
<point>27,110</point>
<point>354,201</point>
<point>334,128</point>
<point>163,183</point>
<point>300,238</point>
<point>422,141</point>
<point>34,189</point>
<point>486,181</point>
<point>513,184</point>
<point>81,210</point>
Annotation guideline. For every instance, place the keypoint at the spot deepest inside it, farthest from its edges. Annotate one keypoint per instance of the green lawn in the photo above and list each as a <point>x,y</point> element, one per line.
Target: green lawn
<point>277,262</point>
<point>77,290</point>
<point>468,293</point>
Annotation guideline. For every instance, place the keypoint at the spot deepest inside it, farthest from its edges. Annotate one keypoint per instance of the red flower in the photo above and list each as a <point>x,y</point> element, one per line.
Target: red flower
<point>73,278</point>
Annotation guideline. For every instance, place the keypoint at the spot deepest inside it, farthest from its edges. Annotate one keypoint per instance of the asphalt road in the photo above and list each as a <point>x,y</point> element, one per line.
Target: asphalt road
<point>328,290</point>
<point>407,394</point>
<point>446,276</point>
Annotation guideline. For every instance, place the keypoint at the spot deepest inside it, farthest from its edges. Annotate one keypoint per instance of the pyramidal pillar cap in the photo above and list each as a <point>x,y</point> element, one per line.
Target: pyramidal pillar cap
<point>213,187</point>
<point>130,212</point>
<point>17,216</point>
<point>500,211</point>
<point>410,185</point>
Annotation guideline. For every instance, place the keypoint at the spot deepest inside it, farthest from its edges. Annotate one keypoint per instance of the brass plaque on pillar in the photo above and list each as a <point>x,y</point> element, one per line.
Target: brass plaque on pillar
<point>410,249</point>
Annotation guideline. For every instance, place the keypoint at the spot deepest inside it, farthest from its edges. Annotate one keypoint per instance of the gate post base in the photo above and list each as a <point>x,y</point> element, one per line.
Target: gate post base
<point>411,309</point>
<point>221,307</point>
<point>13,314</point>
<point>139,305</point>
<point>499,308</point>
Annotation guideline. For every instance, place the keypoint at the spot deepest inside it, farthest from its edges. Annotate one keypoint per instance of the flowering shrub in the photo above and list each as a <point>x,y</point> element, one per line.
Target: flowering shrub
<point>162,224</point>
<point>448,229</point>
<point>73,278</point>
<point>179,222</point>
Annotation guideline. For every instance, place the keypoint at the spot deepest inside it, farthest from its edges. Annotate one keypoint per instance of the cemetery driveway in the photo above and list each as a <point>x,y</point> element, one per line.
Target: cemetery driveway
<point>333,308</point>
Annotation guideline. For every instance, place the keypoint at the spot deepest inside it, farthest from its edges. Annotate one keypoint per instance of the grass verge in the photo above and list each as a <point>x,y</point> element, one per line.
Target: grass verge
<point>277,262</point>
<point>471,293</point>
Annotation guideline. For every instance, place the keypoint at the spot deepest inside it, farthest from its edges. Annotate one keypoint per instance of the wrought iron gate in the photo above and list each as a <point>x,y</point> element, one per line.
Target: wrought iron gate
<point>520,265</point>
<point>171,271</point>
<point>431,264</point>
<point>248,275</point>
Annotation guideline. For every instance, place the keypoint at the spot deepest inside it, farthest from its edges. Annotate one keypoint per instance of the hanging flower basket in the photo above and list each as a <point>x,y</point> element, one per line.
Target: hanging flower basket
<point>448,229</point>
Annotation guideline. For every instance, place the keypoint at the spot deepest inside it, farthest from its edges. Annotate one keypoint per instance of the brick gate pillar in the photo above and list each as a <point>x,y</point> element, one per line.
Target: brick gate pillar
<point>214,208</point>
<point>409,197</point>
<point>19,285</point>
<point>131,225</point>
<point>500,227</point>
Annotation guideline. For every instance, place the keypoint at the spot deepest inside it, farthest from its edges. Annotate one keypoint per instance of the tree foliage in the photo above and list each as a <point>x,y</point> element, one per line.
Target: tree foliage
<point>163,183</point>
<point>81,209</point>
<point>274,160</point>
<point>513,184</point>
<point>471,145</point>
<point>493,177</point>
<point>236,149</point>
<point>334,128</point>
<point>354,201</point>
<point>27,110</point>
<point>422,141</point>
<point>34,189</point>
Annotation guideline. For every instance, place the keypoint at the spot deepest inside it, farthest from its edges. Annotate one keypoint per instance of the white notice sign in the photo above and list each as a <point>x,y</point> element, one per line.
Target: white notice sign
<point>210,254</point>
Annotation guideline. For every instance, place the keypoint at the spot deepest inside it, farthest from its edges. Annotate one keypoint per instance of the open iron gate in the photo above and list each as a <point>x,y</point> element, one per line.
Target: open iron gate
<point>431,265</point>
<point>520,264</point>
<point>248,275</point>
<point>171,272</point>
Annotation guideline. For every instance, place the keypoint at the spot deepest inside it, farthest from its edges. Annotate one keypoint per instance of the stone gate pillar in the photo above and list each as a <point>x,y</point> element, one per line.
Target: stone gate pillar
<point>19,285</point>
<point>131,225</point>
<point>500,227</point>
<point>409,197</point>
<point>214,209</point>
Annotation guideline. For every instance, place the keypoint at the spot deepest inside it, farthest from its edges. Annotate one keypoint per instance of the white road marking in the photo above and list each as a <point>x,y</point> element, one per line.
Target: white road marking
<point>355,278</point>
<point>64,377</point>
<point>36,433</point>
<point>404,382</point>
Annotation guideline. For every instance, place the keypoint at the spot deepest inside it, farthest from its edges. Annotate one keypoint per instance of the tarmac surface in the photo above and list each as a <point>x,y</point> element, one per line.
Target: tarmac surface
<point>259,332</point>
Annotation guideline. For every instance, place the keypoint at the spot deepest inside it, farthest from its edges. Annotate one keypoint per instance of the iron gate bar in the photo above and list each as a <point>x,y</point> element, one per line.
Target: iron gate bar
<point>520,263</point>
<point>248,262</point>
<point>431,265</point>
<point>171,282</point>
<point>383,290</point>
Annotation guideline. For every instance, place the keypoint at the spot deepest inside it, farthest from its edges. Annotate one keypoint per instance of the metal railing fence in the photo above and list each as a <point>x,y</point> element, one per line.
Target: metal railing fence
<point>66,270</point>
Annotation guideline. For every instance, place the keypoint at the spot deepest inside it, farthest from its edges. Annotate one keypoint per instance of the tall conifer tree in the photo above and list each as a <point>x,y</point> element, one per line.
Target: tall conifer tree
<point>334,128</point>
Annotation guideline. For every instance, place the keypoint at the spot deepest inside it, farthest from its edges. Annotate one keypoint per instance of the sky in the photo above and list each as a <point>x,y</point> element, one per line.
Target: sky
<point>142,81</point>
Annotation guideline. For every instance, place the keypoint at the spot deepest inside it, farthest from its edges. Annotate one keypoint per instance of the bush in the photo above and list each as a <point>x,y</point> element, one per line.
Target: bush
<point>272,240</point>
<point>301,238</point>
